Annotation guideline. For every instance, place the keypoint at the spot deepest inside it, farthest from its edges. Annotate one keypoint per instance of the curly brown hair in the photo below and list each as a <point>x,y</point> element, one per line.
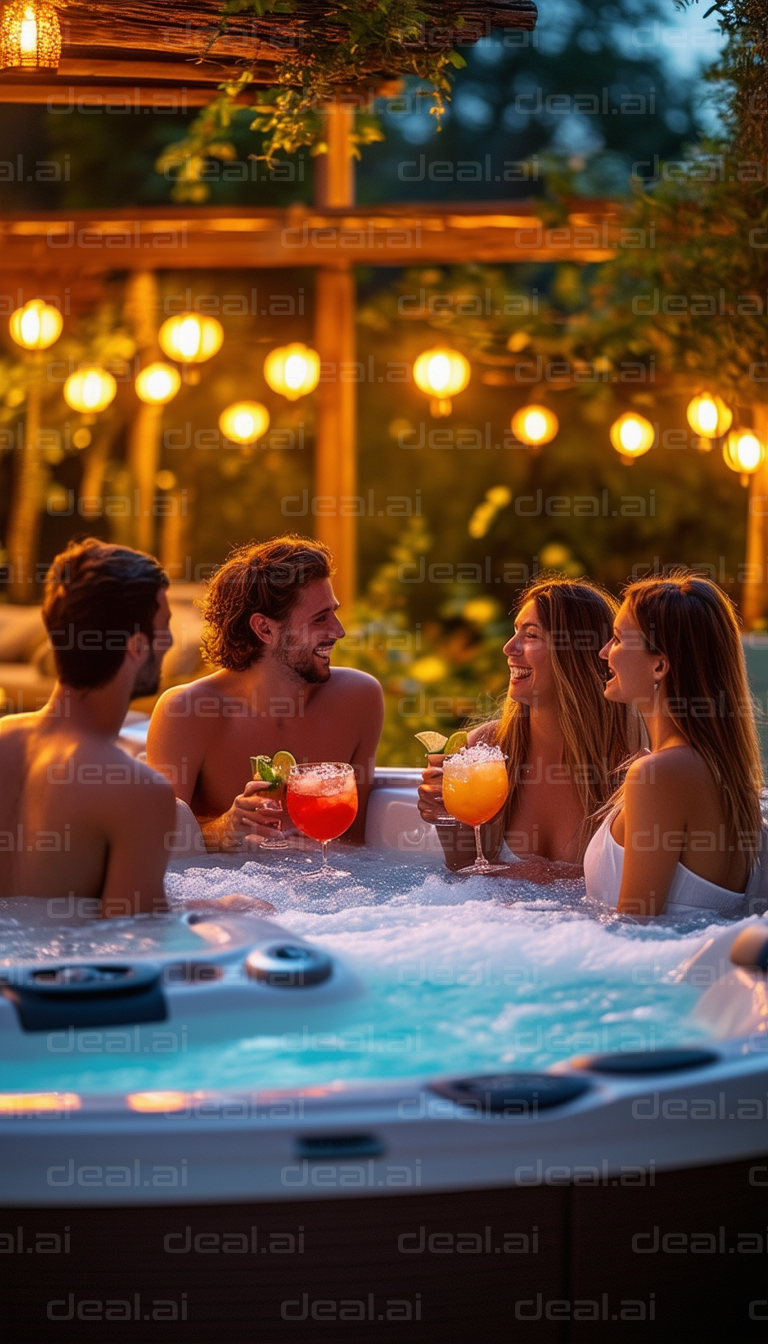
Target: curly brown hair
<point>263,576</point>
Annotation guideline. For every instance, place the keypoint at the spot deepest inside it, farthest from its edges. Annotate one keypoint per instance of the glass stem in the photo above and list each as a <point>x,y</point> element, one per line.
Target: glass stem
<point>324,849</point>
<point>481,859</point>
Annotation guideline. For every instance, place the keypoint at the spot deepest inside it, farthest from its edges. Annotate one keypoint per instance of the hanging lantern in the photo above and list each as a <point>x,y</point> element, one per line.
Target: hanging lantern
<point>744,453</point>
<point>36,326</point>
<point>90,390</point>
<point>190,338</point>
<point>632,435</point>
<point>709,416</point>
<point>441,373</point>
<point>158,383</point>
<point>30,37</point>
<point>292,370</point>
<point>244,422</point>
<point>535,425</point>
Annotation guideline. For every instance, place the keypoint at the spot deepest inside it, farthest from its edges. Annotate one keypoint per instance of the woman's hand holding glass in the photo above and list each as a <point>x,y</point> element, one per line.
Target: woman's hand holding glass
<point>431,806</point>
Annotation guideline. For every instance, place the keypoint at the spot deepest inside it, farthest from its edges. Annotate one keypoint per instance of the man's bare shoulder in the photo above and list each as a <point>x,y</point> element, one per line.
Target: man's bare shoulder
<point>180,701</point>
<point>353,682</point>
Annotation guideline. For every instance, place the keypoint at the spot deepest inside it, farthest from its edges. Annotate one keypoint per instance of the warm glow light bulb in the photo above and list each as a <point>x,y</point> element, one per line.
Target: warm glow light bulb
<point>191,338</point>
<point>709,416</point>
<point>292,370</point>
<point>90,390</point>
<point>743,452</point>
<point>36,326</point>
<point>158,383</point>
<point>441,373</point>
<point>632,435</point>
<point>244,422</point>
<point>535,425</point>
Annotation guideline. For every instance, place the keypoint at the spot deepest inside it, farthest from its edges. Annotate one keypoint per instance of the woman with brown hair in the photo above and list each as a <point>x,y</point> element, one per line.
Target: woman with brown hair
<point>563,741</point>
<point>683,833</point>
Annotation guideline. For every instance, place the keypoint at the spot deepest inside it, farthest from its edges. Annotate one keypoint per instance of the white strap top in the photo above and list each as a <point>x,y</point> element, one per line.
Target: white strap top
<point>688,894</point>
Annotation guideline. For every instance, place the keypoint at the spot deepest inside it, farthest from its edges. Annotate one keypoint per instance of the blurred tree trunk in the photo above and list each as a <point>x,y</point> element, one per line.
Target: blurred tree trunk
<point>24,521</point>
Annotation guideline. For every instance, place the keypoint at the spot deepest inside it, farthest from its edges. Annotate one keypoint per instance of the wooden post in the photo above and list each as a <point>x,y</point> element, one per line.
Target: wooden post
<point>335,342</point>
<point>141,301</point>
<point>24,522</point>
<point>754,597</point>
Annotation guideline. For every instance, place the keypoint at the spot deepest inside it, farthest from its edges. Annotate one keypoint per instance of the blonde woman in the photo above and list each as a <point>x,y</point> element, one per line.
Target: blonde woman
<point>563,741</point>
<point>684,831</point>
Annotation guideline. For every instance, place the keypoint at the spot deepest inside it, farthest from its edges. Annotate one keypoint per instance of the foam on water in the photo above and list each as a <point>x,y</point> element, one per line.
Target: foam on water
<point>465,975</point>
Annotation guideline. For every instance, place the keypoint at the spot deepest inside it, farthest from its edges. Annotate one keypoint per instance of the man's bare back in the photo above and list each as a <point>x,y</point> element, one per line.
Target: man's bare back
<point>79,818</point>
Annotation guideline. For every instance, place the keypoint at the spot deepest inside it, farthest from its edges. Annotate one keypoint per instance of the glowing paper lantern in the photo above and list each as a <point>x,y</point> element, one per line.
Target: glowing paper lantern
<point>709,416</point>
<point>190,338</point>
<point>36,326</point>
<point>535,425</point>
<point>744,453</point>
<point>244,422</point>
<point>90,389</point>
<point>158,383</point>
<point>632,435</point>
<point>292,370</point>
<point>30,37</point>
<point>441,373</point>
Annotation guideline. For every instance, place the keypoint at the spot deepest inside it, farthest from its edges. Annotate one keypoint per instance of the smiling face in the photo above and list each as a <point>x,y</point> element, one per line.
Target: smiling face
<point>531,679</point>
<point>634,672</point>
<point>307,635</point>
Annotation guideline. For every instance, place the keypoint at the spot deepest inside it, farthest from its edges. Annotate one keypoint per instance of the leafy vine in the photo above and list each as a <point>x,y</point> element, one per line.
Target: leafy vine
<point>357,41</point>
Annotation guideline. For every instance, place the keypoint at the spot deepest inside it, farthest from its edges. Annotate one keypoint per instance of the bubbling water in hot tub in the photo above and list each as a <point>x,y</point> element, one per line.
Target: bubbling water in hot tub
<point>464,975</point>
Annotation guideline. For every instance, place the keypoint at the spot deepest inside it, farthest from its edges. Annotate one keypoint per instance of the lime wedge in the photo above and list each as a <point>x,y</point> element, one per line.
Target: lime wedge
<point>432,743</point>
<point>455,742</point>
<point>282,764</point>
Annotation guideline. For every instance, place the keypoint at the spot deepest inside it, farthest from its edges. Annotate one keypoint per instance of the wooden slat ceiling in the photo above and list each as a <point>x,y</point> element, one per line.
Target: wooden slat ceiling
<point>151,43</point>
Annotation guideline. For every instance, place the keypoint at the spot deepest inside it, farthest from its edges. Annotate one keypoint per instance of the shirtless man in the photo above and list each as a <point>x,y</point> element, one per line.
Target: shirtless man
<point>78,817</point>
<point>270,627</point>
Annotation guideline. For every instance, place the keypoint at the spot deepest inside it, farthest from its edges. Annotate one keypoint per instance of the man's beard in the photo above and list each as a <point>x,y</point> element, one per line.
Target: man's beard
<point>301,662</point>
<point>148,678</point>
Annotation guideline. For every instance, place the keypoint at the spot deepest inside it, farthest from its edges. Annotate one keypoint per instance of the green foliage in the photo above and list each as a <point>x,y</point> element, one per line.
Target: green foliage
<point>354,42</point>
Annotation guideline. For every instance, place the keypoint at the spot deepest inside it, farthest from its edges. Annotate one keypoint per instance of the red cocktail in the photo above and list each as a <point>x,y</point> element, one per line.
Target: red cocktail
<point>322,802</point>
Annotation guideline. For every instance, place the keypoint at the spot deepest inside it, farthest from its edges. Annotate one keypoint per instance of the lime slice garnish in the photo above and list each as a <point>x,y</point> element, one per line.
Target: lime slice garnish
<point>455,743</point>
<point>282,764</point>
<point>432,743</point>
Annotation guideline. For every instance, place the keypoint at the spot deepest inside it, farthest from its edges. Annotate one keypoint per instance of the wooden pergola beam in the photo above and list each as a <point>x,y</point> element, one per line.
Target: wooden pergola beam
<point>175,238</point>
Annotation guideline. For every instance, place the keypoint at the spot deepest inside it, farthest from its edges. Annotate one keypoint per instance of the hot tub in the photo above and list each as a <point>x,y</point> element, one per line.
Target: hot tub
<point>510,1114</point>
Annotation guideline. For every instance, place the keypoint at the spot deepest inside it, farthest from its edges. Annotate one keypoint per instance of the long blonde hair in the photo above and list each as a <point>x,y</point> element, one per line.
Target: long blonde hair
<point>599,736</point>
<point>692,622</point>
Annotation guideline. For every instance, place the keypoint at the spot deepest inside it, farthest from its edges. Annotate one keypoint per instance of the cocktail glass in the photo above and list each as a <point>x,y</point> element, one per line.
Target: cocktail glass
<point>276,793</point>
<point>322,802</point>
<point>475,788</point>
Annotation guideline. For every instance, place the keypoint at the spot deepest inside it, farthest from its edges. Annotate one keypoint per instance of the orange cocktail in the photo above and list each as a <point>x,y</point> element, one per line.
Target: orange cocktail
<point>322,802</point>
<point>475,787</point>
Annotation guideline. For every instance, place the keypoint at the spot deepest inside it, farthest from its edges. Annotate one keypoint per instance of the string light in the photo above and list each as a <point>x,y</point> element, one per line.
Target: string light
<point>244,422</point>
<point>441,373</point>
<point>632,435</point>
<point>709,416</point>
<point>36,326</point>
<point>90,389</point>
<point>190,338</point>
<point>744,453</point>
<point>535,425</point>
<point>158,383</point>
<point>292,370</point>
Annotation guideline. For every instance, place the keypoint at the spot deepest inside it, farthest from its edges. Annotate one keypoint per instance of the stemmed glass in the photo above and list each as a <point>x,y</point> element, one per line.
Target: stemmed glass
<point>475,788</point>
<point>322,803</point>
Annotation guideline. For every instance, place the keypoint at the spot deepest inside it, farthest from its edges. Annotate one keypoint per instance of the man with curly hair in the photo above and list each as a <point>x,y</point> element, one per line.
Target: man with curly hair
<point>80,821</point>
<point>270,627</point>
